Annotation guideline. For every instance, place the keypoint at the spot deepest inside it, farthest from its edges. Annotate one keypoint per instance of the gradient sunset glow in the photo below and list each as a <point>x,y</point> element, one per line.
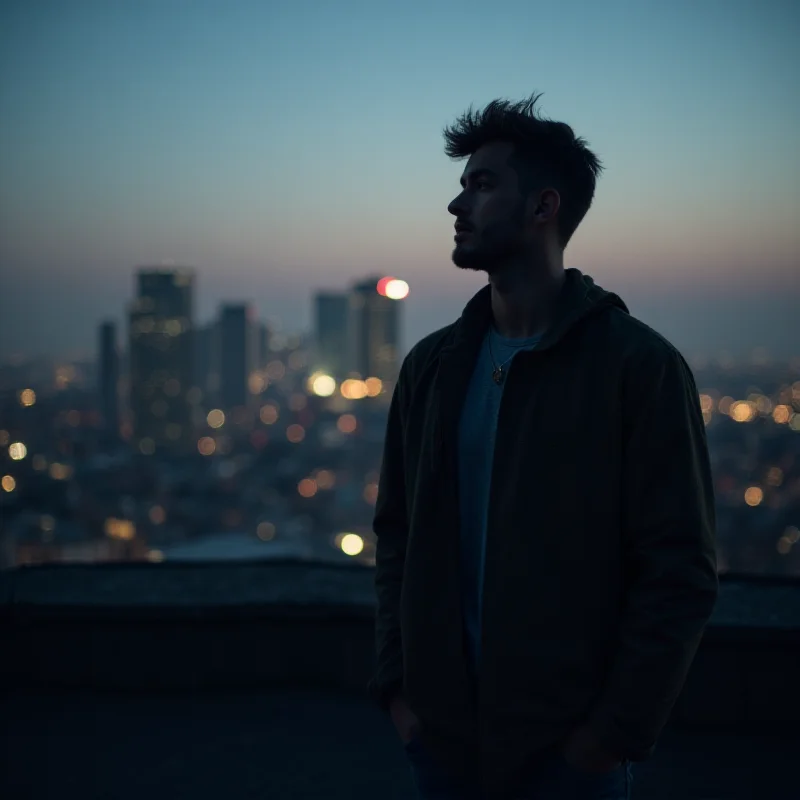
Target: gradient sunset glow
<point>279,148</point>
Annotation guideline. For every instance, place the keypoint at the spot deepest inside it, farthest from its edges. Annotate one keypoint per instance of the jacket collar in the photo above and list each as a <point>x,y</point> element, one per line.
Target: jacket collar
<point>579,297</point>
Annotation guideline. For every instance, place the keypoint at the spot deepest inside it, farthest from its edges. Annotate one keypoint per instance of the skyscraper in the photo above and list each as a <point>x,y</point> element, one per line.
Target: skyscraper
<point>238,337</point>
<point>161,360</point>
<point>375,332</point>
<point>264,351</point>
<point>108,378</point>
<point>206,363</point>
<point>330,334</point>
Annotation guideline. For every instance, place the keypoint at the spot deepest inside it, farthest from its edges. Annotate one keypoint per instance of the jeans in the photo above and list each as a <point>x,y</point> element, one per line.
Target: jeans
<point>552,779</point>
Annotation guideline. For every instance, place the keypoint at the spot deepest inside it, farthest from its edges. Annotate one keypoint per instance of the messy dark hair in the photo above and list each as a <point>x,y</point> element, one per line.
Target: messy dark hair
<point>545,152</point>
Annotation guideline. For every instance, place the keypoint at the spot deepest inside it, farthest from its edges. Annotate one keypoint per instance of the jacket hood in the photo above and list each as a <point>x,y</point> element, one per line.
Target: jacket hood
<point>580,298</point>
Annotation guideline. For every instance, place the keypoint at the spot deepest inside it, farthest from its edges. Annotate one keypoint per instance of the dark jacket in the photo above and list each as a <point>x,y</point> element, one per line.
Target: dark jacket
<point>600,569</point>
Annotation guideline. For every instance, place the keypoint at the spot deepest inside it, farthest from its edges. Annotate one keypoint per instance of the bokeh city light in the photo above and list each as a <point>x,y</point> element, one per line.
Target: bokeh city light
<point>347,423</point>
<point>393,288</point>
<point>351,544</point>
<point>307,487</point>
<point>373,386</point>
<point>268,414</point>
<point>295,433</point>
<point>397,289</point>
<point>206,446</point>
<point>322,385</point>
<point>754,495</point>
<point>216,418</point>
<point>354,389</point>
<point>27,398</point>
<point>265,531</point>
<point>120,529</point>
<point>17,451</point>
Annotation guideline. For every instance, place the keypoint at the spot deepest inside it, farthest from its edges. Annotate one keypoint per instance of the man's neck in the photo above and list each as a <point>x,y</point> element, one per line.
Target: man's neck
<point>523,299</point>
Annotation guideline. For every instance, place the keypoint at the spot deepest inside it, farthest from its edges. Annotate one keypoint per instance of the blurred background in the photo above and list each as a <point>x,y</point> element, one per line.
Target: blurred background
<point>223,225</point>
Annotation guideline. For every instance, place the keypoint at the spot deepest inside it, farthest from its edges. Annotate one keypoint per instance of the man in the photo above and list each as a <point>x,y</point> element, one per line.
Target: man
<point>545,559</point>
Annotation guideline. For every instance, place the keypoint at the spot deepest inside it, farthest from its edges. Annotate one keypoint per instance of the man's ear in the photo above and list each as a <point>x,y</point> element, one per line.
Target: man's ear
<point>544,207</point>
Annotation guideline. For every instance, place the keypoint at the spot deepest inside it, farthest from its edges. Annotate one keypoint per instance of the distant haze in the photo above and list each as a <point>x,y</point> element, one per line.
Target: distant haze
<point>281,148</point>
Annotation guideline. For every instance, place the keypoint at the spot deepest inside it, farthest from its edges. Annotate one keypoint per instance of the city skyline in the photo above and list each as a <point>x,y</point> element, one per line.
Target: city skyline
<point>280,152</point>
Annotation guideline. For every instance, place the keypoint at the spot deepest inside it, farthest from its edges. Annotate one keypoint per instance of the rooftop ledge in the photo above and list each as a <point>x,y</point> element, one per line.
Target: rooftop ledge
<point>177,626</point>
<point>296,586</point>
<point>275,586</point>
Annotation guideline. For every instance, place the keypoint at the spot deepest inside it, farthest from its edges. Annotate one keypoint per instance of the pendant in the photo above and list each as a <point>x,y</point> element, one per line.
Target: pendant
<point>498,375</point>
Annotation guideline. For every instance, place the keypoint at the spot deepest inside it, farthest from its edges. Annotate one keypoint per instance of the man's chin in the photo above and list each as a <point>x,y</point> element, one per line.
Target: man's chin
<point>464,259</point>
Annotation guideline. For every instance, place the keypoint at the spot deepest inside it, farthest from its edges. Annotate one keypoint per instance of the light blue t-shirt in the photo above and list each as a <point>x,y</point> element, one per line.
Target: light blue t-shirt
<point>476,439</point>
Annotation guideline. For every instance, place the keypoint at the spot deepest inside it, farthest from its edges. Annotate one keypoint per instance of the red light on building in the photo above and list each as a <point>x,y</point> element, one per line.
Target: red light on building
<point>393,288</point>
<point>382,284</point>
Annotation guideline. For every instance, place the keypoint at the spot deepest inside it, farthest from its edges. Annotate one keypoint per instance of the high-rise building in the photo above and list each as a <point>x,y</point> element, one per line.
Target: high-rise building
<point>374,331</point>
<point>108,377</point>
<point>238,336</point>
<point>264,350</point>
<point>330,334</point>
<point>161,360</point>
<point>206,362</point>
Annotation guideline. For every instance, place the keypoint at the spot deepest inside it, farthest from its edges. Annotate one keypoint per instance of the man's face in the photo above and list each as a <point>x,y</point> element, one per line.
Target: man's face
<point>490,212</point>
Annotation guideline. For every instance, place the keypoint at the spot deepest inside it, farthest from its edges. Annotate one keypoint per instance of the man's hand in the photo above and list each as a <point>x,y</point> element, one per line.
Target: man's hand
<point>585,753</point>
<point>404,719</point>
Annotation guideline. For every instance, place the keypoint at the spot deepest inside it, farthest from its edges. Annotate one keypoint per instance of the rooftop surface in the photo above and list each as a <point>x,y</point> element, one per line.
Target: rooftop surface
<point>247,681</point>
<point>301,743</point>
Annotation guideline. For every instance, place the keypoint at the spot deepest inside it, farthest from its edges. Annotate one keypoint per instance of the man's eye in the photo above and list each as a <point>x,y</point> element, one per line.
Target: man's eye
<point>483,184</point>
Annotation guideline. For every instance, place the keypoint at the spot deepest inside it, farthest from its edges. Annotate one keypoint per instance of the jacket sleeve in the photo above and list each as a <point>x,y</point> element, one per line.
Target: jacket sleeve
<point>670,560</point>
<point>390,525</point>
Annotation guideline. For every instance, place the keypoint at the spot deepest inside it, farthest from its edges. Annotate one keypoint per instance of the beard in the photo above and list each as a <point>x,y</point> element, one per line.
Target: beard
<point>490,250</point>
<point>497,244</point>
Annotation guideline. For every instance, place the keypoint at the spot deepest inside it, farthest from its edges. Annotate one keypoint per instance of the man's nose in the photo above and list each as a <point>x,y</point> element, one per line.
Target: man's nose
<point>456,207</point>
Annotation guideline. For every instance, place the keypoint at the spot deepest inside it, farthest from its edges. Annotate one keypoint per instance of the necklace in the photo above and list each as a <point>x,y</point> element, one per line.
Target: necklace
<point>498,376</point>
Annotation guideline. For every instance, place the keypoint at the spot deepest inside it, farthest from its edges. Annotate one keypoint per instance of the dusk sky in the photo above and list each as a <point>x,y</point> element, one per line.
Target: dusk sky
<point>282,147</point>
